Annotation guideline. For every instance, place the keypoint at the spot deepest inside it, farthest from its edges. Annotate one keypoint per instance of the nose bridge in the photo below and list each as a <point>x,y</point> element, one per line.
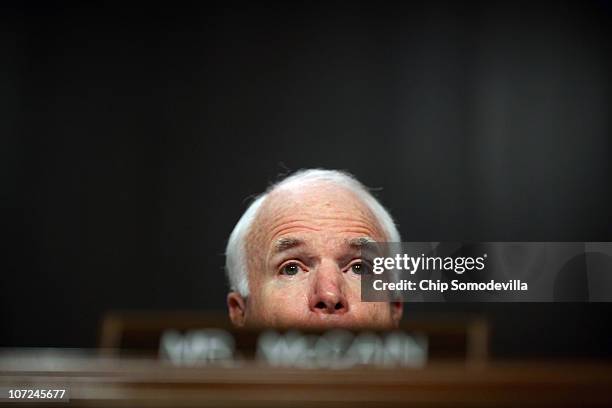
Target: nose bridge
<point>328,275</point>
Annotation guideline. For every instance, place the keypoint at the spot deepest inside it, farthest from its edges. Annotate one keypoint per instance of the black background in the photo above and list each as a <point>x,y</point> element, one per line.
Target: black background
<point>132,138</point>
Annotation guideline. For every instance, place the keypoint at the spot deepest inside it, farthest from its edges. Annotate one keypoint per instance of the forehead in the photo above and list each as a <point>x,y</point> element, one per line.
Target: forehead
<point>323,211</point>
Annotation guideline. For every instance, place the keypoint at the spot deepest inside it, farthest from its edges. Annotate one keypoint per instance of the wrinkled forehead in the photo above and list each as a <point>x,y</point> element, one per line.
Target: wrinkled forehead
<point>320,210</point>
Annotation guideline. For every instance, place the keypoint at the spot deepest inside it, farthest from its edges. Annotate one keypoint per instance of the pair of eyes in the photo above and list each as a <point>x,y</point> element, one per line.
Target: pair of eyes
<point>358,267</point>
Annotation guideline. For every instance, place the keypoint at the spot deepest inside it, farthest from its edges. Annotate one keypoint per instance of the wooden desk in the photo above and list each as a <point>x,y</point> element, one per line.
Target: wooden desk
<point>110,382</point>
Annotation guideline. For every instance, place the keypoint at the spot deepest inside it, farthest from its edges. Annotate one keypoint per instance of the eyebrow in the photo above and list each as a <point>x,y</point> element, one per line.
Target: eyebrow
<point>360,242</point>
<point>285,244</point>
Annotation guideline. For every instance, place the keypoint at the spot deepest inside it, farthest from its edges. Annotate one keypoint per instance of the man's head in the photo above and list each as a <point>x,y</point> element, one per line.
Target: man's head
<point>293,259</point>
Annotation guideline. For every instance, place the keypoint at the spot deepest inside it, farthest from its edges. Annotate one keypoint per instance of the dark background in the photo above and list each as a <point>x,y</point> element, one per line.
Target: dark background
<point>132,137</point>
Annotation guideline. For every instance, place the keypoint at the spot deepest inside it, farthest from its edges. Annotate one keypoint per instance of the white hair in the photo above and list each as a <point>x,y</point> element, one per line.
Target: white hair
<point>236,265</point>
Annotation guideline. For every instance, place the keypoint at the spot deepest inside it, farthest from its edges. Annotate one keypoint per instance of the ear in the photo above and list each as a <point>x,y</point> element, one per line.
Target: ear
<point>237,308</point>
<point>397,310</point>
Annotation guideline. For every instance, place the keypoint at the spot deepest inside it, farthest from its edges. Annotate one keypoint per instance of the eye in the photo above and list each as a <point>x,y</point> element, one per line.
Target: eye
<point>290,269</point>
<point>359,268</point>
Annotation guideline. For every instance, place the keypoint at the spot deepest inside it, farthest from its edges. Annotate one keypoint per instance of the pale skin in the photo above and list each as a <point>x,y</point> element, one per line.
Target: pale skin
<point>304,265</point>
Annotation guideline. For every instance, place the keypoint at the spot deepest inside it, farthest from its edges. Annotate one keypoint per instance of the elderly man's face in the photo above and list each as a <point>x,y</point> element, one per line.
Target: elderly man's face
<point>304,265</point>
